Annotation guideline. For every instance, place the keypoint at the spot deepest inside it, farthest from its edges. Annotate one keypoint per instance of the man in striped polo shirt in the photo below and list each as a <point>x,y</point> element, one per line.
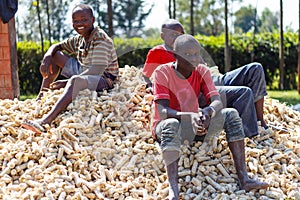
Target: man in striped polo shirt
<point>95,67</point>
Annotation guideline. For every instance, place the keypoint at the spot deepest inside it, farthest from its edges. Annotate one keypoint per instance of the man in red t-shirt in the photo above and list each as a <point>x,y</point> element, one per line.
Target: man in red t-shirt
<point>234,93</point>
<point>176,88</point>
<point>162,54</point>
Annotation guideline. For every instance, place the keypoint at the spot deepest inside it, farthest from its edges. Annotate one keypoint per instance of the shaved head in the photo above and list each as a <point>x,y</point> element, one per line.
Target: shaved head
<point>187,51</point>
<point>84,7</point>
<point>185,40</point>
<point>172,24</point>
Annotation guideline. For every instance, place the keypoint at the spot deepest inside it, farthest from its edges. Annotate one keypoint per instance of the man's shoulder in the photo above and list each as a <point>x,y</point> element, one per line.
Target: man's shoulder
<point>166,67</point>
<point>158,48</point>
<point>99,34</point>
<point>202,68</point>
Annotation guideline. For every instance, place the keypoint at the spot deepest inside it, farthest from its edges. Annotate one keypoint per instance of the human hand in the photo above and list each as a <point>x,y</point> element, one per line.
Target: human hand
<point>205,117</point>
<point>196,122</point>
<point>201,130</point>
<point>46,66</point>
<point>58,84</point>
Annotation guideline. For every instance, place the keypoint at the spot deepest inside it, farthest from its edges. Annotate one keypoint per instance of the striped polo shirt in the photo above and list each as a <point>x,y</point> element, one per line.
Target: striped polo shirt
<point>98,51</point>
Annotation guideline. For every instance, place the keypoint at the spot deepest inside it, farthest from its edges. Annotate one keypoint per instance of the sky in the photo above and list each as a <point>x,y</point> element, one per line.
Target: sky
<point>290,11</point>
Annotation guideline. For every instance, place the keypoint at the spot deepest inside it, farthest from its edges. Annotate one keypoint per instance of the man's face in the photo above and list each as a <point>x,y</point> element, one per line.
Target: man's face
<point>189,55</point>
<point>170,34</point>
<point>82,21</point>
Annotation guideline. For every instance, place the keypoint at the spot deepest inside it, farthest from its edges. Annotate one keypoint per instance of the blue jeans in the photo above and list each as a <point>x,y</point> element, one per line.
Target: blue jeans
<point>241,98</point>
<point>172,132</point>
<point>251,75</point>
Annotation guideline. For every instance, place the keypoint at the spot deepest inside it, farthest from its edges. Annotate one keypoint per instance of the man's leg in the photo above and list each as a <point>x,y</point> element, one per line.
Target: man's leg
<point>235,139</point>
<point>172,172</point>
<point>237,149</point>
<point>74,85</point>
<point>58,61</point>
<point>168,133</point>
<point>259,106</point>
<point>252,76</point>
<point>241,98</point>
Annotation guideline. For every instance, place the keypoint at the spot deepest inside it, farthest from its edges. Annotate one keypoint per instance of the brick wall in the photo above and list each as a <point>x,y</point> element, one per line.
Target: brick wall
<point>6,90</point>
<point>8,63</point>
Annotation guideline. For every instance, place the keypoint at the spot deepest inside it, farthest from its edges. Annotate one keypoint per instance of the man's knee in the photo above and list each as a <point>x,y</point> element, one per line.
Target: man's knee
<point>169,135</point>
<point>171,127</point>
<point>233,125</point>
<point>245,92</point>
<point>78,82</point>
<point>257,68</point>
<point>231,114</point>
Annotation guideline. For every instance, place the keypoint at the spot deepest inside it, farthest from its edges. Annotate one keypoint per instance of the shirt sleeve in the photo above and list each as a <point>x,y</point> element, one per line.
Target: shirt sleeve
<point>104,57</point>
<point>208,87</point>
<point>152,62</point>
<point>160,86</point>
<point>113,65</point>
<point>69,45</point>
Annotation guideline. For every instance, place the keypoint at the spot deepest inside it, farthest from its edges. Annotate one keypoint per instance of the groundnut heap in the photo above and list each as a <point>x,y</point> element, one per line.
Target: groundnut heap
<point>101,148</point>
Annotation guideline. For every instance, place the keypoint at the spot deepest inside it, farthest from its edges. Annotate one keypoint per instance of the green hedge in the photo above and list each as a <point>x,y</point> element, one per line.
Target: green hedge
<point>263,48</point>
<point>29,57</point>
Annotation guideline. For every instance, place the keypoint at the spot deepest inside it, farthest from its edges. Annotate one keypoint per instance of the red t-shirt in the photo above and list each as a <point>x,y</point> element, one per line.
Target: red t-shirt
<point>156,56</point>
<point>182,93</point>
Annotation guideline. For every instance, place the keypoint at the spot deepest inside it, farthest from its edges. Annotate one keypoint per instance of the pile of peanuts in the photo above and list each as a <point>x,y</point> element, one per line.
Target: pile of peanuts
<point>101,147</point>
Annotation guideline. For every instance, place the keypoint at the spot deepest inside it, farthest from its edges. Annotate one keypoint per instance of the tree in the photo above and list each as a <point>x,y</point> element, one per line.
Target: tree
<point>281,50</point>
<point>58,14</point>
<point>172,9</point>
<point>268,21</point>
<point>192,17</point>
<point>129,17</point>
<point>37,5</point>
<point>227,59</point>
<point>299,49</point>
<point>55,15</point>
<point>245,19</point>
<point>110,18</point>
<point>48,22</point>
<point>208,16</point>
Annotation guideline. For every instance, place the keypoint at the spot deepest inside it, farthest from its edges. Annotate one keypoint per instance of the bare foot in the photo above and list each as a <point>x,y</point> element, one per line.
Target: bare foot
<point>254,184</point>
<point>35,126</point>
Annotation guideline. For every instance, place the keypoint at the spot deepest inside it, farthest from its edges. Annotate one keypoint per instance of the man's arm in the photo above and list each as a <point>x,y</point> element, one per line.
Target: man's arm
<point>166,112</point>
<point>210,111</point>
<point>94,70</point>
<point>215,106</point>
<point>46,67</point>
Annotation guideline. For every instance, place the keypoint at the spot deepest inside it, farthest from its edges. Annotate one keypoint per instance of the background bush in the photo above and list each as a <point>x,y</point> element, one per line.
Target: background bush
<point>245,48</point>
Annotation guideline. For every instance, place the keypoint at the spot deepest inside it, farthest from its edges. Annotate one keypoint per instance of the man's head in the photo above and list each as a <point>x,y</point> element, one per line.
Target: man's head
<point>187,51</point>
<point>170,30</point>
<point>83,19</point>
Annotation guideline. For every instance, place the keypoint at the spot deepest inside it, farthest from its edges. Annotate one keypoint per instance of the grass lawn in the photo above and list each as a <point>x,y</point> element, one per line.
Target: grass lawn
<point>24,97</point>
<point>290,97</point>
